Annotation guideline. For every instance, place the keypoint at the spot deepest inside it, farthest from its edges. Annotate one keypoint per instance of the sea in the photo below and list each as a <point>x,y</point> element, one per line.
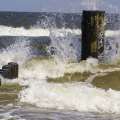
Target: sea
<point>48,45</point>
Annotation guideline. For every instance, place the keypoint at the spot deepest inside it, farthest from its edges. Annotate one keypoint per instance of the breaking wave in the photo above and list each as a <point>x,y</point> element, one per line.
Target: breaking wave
<point>34,72</point>
<point>36,31</point>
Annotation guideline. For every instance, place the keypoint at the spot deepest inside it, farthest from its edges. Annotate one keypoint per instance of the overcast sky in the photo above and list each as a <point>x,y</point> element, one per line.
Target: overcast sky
<point>59,5</point>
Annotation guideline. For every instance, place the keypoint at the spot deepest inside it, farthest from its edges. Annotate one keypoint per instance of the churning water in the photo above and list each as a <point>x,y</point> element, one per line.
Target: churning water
<point>55,101</point>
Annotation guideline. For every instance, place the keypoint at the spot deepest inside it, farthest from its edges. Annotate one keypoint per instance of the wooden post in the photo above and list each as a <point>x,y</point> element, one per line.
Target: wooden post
<point>14,69</point>
<point>6,71</point>
<point>93,34</point>
<point>10,71</point>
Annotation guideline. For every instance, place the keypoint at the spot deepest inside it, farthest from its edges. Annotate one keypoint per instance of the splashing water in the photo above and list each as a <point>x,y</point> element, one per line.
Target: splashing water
<point>73,96</point>
<point>111,45</point>
<point>103,5</point>
<point>91,4</point>
<point>66,45</point>
<point>18,52</point>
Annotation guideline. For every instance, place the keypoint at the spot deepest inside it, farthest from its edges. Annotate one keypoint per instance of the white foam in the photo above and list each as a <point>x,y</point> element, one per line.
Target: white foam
<point>63,32</point>
<point>73,96</point>
<point>37,31</point>
<point>33,31</point>
<point>90,65</point>
<point>111,33</point>
<point>20,31</point>
<point>77,96</point>
<point>18,52</point>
